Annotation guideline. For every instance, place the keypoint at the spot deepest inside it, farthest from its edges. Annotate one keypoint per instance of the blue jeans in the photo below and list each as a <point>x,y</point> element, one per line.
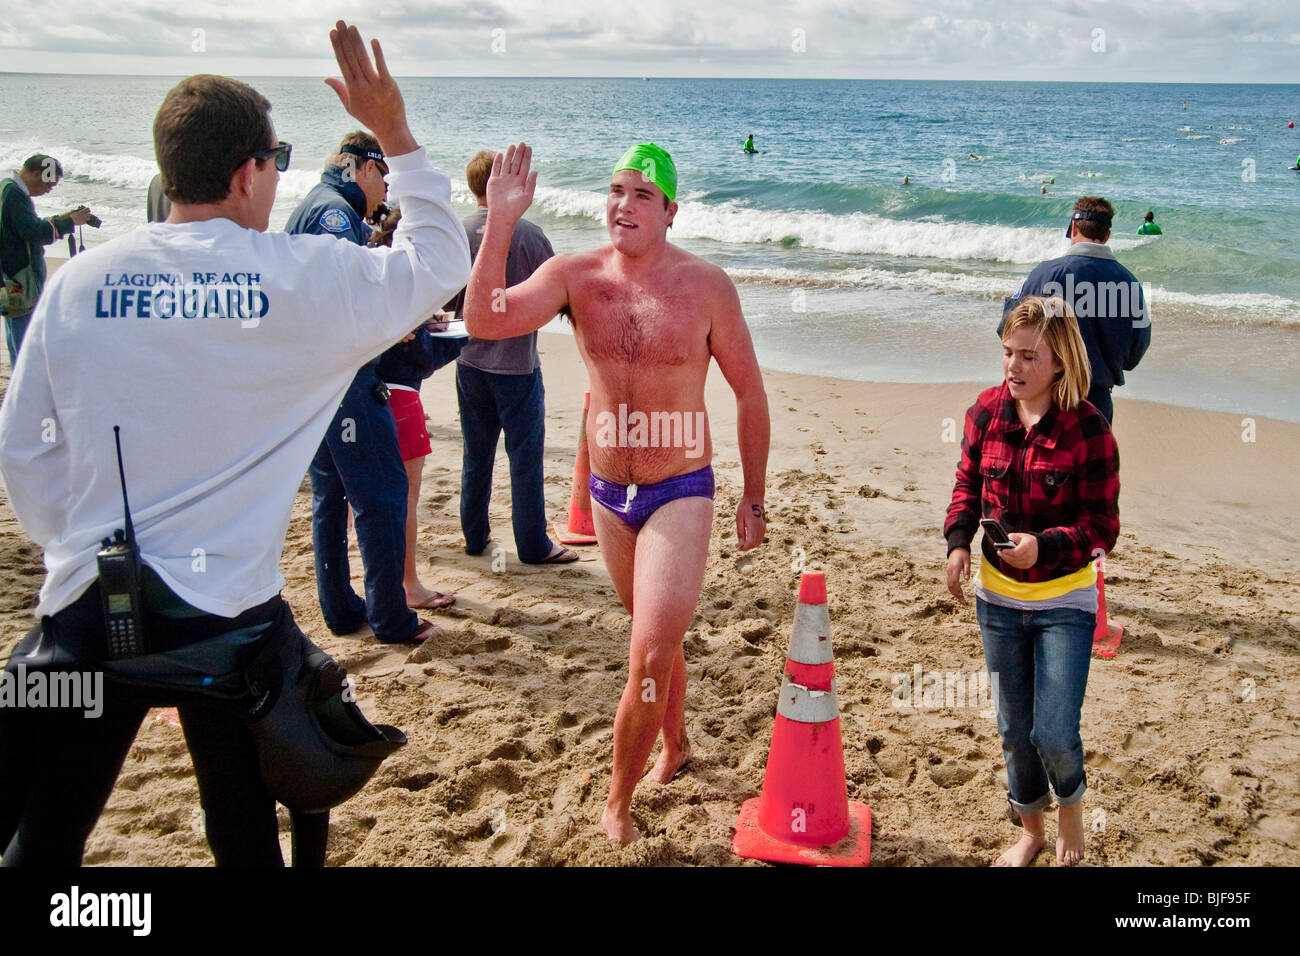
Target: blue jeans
<point>359,463</point>
<point>1038,662</point>
<point>516,404</point>
<point>15,329</point>
<point>1102,401</point>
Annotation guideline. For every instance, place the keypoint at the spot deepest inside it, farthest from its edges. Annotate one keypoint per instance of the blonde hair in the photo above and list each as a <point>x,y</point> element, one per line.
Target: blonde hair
<point>1053,320</point>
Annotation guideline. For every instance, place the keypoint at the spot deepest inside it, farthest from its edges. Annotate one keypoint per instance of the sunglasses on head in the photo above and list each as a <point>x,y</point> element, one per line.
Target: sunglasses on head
<point>280,153</point>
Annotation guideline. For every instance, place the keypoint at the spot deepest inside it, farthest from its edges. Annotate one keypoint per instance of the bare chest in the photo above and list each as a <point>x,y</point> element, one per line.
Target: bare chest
<point>619,325</point>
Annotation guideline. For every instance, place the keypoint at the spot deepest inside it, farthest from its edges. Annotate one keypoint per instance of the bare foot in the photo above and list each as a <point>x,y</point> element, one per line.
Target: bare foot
<point>426,599</point>
<point>1023,853</point>
<point>620,828</point>
<point>670,761</point>
<point>1069,834</point>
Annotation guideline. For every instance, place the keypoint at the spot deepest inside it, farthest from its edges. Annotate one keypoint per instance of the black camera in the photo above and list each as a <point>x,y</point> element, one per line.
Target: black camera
<point>94,221</point>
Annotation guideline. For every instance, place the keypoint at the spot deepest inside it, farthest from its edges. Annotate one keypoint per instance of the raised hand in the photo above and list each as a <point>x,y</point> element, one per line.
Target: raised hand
<point>368,91</point>
<point>511,185</point>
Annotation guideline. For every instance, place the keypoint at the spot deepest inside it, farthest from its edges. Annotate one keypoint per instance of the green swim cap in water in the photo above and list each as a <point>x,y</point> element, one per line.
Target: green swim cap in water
<point>654,163</point>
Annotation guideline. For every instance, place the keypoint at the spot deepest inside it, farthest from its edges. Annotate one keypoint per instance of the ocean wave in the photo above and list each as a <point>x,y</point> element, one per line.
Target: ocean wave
<point>111,169</point>
<point>1233,308</point>
<point>925,280</point>
<point>854,233</point>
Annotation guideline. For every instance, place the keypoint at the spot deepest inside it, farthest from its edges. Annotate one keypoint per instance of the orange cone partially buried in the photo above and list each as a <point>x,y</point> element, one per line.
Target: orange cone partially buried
<point>1106,636</point>
<point>581,529</point>
<point>804,814</point>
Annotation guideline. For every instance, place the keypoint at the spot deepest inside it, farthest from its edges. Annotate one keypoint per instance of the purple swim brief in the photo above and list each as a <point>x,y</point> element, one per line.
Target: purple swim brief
<point>636,503</point>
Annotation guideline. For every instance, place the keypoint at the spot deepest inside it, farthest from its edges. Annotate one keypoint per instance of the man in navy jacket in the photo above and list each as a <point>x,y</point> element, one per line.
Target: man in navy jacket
<point>1106,298</point>
<point>358,463</point>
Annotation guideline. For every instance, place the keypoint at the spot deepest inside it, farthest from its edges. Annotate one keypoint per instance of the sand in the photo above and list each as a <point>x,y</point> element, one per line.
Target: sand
<point>1190,733</point>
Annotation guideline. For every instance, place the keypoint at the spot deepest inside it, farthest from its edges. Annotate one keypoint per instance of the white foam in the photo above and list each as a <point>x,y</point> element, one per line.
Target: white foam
<point>112,169</point>
<point>861,233</point>
<point>1247,307</point>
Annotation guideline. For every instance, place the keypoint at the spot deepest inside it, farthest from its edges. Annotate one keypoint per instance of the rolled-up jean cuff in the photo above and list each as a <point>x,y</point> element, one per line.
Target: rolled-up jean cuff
<point>1028,809</point>
<point>1073,798</point>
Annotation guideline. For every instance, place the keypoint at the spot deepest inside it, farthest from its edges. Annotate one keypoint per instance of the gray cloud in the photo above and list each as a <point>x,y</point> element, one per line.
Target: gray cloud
<point>1188,40</point>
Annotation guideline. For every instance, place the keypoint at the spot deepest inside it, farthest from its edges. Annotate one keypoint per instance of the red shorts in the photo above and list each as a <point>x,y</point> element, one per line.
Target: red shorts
<point>408,413</point>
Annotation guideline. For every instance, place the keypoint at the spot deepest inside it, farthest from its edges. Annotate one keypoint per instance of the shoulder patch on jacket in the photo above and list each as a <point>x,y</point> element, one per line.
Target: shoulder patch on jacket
<point>332,220</point>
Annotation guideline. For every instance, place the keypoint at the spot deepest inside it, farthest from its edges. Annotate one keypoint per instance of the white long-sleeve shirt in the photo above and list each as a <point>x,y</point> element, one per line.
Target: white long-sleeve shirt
<point>223,354</point>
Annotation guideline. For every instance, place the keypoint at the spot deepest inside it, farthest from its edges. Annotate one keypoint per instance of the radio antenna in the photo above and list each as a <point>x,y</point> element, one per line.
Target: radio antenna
<point>121,474</point>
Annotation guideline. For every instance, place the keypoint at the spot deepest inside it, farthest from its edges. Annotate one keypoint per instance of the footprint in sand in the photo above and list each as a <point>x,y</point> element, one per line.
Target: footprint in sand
<point>1141,738</point>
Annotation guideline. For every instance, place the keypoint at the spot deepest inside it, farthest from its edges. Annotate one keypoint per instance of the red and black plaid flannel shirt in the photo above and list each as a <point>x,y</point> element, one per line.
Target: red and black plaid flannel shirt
<point>1059,481</point>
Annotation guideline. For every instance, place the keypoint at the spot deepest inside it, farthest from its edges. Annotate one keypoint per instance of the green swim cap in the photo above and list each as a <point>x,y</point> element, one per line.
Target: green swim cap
<point>654,163</point>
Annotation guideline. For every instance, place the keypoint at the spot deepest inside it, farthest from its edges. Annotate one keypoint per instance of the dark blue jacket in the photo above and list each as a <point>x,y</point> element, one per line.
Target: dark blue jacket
<point>24,235</point>
<point>334,207</point>
<point>1108,302</point>
<point>410,363</point>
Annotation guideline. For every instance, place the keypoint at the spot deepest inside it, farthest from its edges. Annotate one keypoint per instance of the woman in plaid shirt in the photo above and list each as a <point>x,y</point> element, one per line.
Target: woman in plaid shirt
<point>1040,460</point>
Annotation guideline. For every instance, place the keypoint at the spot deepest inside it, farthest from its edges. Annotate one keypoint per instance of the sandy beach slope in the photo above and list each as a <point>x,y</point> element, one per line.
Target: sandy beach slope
<point>1191,734</point>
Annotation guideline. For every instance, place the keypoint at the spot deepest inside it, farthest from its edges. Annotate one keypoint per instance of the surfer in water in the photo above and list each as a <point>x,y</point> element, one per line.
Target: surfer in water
<point>1149,227</point>
<point>749,144</point>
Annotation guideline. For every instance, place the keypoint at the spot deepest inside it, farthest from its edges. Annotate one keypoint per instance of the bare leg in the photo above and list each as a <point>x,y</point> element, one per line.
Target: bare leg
<point>666,570</point>
<point>677,749</point>
<point>1027,847</point>
<point>417,595</point>
<point>1069,834</point>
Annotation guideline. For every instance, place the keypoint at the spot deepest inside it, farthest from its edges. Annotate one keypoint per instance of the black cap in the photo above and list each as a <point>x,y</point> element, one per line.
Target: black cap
<point>374,154</point>
<point>1100,217</point>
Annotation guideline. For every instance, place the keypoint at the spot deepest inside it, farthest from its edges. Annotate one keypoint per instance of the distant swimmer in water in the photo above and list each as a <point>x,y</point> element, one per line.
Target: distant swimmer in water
<point>906,181</point>
<point>1149,228</point>
<point>1050,180</point>
<point>974,157</point>
<point>749,144</point>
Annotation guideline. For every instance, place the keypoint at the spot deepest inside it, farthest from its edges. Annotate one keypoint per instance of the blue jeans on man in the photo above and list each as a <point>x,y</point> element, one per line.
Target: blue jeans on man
<point>491,403</point>
<point>15,329</point>
<point>1038,662</point>
<point>359,463</point>
<point>1100,398</point>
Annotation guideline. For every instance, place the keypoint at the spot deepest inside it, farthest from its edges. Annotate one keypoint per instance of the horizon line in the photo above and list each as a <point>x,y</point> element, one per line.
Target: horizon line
<point>646,78</point>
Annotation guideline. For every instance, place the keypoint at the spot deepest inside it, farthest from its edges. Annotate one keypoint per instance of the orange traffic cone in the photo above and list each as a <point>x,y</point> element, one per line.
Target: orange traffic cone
<point>804,814</point>
<point>1106,636</point>
<point>581,529</point>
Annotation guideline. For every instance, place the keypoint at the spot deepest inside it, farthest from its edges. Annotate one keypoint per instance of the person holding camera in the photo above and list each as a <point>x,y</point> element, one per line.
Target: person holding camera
<point>222,352</point>
<point>23,238</point>
<point>1039,471</point>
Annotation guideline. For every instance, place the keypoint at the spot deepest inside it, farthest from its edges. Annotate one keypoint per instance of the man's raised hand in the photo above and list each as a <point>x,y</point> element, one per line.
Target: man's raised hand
<point>511,185</point>
<point>368,91</point>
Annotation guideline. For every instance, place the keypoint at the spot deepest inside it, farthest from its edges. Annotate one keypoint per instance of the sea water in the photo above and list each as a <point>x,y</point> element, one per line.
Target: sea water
<point>842,270</point>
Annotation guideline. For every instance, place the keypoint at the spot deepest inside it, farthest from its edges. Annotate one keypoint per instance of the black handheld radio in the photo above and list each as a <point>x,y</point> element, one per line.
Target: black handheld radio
<point>120,582</point>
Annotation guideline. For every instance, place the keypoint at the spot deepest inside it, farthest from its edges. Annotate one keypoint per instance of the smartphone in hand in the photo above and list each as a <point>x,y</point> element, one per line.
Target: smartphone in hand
<point>997,534</point>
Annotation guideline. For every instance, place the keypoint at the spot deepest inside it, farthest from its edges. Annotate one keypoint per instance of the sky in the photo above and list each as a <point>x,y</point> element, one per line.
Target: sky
<point>1246,41</point>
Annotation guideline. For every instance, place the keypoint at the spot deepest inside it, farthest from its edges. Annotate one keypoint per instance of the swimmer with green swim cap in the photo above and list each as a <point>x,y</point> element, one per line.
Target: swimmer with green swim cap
<point>654,163</point>
<point>650,319</point>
